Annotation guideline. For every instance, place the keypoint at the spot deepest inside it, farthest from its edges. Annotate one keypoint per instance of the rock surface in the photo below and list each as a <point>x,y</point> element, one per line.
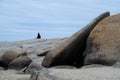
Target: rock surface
<point>35,67</point>
<point>95,73</point>
<point>11,75</point>
<point>103,44</point>
<point>38,72</point>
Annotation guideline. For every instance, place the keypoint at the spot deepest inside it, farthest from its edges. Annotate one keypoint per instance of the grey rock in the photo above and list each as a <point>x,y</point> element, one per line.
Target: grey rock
<point>38,72</point>
<point>11,75</point>
<point>19,63</point>
<point>96,73</point>
<point>35,67</point>
<point>34,75</point>
<point>38,60</point>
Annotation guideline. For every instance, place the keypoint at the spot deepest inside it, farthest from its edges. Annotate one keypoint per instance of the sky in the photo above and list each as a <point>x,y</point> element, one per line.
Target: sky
<point>23,19</point>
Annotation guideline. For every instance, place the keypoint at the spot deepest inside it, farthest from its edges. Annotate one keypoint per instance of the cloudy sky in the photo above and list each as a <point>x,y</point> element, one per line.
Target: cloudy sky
<point>23,19</point>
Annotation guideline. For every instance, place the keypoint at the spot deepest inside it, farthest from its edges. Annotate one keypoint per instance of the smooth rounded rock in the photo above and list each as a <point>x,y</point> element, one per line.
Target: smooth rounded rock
<point>10,55</point>
<point>103,43</point>
<point>19,63</point>
<point>7,57</point>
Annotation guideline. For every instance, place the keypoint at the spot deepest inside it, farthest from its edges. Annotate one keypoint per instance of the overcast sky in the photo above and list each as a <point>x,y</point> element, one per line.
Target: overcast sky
<point>23,19</point>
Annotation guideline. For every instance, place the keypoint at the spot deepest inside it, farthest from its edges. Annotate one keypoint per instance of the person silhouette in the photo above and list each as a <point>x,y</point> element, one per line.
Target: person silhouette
<point>38,36</point>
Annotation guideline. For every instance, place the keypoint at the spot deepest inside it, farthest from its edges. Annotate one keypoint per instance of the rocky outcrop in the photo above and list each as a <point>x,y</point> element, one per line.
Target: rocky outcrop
<point>71,51</point>
<point>10,55</point>
<point>103,44</point>
<point>30,48</point>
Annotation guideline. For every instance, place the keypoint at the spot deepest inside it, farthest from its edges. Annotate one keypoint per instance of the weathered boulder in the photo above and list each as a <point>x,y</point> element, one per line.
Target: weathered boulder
<point>10,55</point>
<point>103,43</point>
<point>71,51</point>
<point>19,63</point>
<point>7,57</point>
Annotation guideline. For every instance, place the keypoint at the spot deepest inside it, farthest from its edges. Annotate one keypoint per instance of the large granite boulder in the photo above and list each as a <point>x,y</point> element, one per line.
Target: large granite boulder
<point>10,55</point>
<point>71,51</point>
<point>103,43</point>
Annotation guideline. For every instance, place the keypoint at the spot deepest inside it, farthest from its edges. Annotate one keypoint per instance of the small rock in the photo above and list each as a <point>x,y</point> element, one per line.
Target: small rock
<point>38,72</point>
<point>19,63</point>
<point>37,75</point>
<point>34,75</point>
<point>35,67</point>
